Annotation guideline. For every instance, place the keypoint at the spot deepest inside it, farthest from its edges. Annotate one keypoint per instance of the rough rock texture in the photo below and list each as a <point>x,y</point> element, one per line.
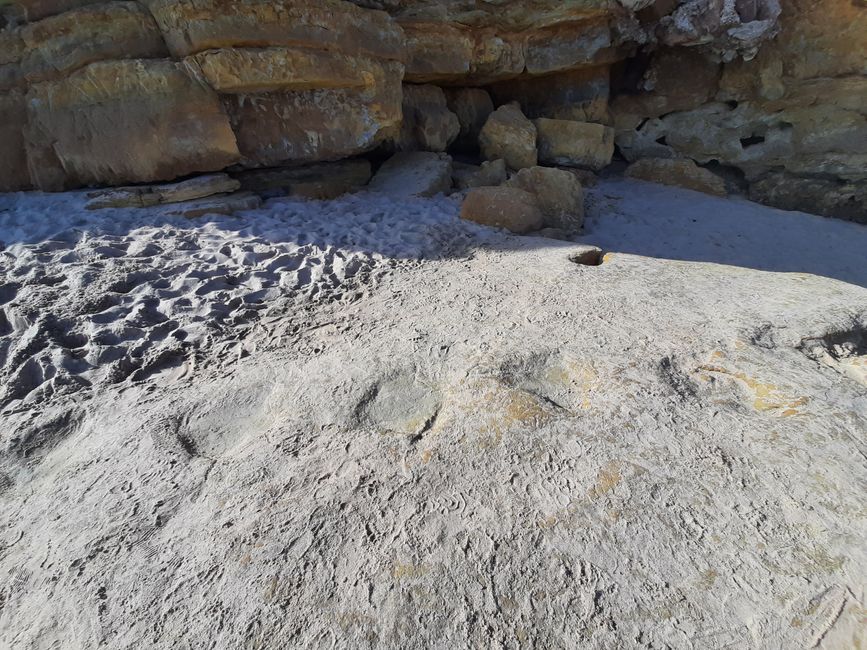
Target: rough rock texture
<point>13,162</point>
<point>428,124</point>
<point>820,195</point>
<point>558,193</point>
<point>503,207</point>
<point>580,95</point>
<point>87,129</point>
<point>489,173</point>
<point>779,86</point>
<point>60,45</point>
<point>315,125</point>
<point>143,196</point>
<point>255,70</point>
<point>796,112</point>
<point>510,136</point>
<point>433,435</point>
<point>678,172</point>
<point>575,144</point>
<point>191,26</point>
<point>416,173</point>
<point>218,204</point>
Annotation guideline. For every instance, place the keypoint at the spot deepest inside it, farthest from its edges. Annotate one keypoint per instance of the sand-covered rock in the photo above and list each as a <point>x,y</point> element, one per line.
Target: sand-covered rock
<point>227,204</point>
<point>678,172</point>
<point>503,207</point>
<point>416,173</point>
<point>510,136</point>
<point>369,423</point>
<point>575,144</point>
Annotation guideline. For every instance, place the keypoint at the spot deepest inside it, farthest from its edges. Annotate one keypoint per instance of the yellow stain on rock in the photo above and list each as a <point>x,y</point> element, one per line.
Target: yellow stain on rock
<point>547,522</point>
<point>270,589</point>
<point>607,478</point>
<point>575,376</point>
<point>402,571</point>
<point>767,397</point>
<point>503,409</point>
<point>708,578</point>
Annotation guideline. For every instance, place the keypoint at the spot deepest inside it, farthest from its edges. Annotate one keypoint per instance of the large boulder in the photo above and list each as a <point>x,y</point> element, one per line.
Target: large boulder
<point>825,196</point>
<point>414,173</point>
<point>575,144</point>
<point>558,193</point>
<point>679,172</point>
<point>260,70</point>
<point>428,124</point>
<point>510,136</point>
<point>503,207</point>
<point>117,122</point>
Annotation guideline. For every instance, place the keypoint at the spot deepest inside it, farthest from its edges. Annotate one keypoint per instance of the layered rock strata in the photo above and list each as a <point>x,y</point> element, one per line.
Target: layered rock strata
<point>108,93</point>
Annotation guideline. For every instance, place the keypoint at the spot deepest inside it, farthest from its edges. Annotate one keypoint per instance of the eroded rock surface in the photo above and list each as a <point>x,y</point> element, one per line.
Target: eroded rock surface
<point>414,173</point>
<point>369,424</point>
<point>558,193</point>
<point>509,136</point>
<point>511,208</point>
<point>575,144</point>
<point>677,172</point>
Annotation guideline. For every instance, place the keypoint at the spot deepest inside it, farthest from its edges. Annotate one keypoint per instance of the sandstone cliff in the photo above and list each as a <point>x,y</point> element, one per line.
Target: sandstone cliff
<point>103,93</point>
